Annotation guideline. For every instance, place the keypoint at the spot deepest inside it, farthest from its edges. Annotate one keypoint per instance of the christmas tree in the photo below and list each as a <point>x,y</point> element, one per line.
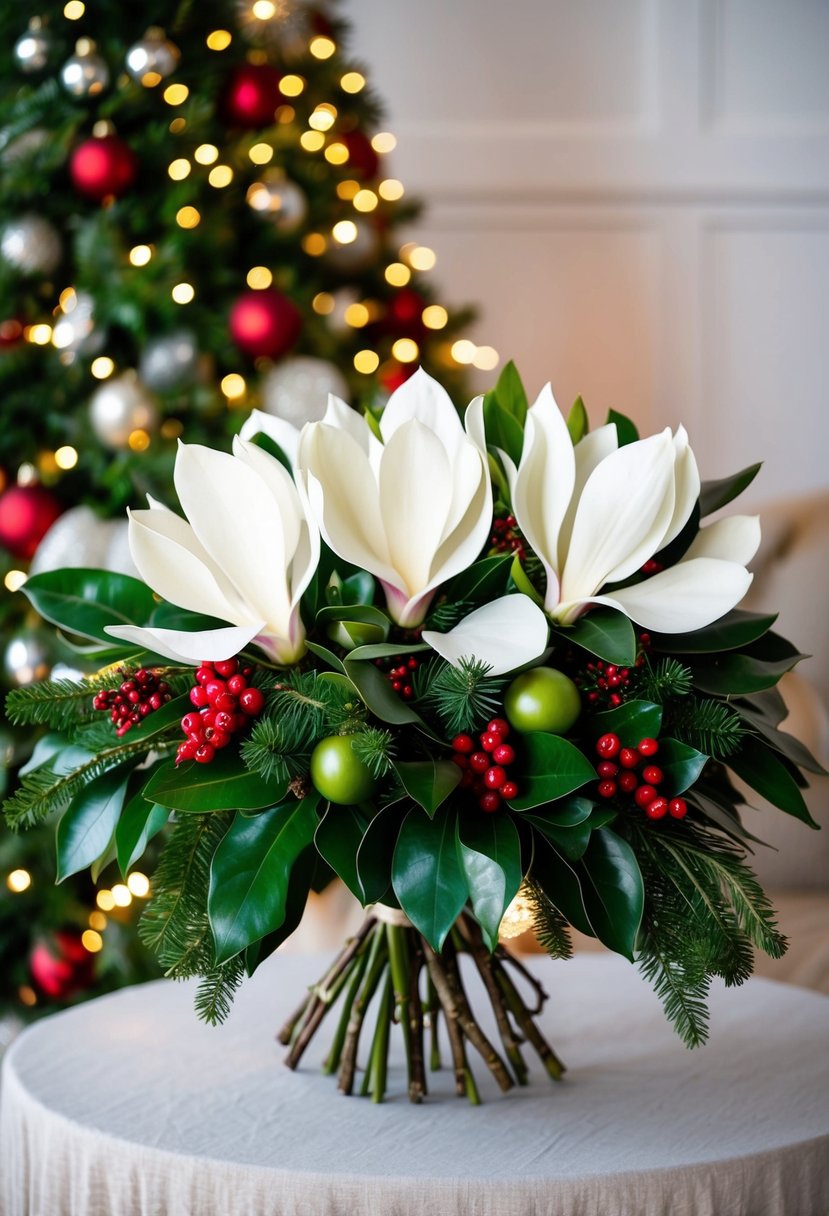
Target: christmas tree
<point>196,218</point>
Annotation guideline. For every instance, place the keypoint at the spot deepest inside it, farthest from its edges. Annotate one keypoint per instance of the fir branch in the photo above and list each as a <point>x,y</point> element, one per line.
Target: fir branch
<point>215,993</point>
<point>682,991</point>
<point>708,725</point>
<point>268,753</point>
<point>549,926</point>
<point>448,614</point>
<point>375,747</point>
<point>63,704</point>
<point>464,697</point>
<point>668,679</point>
<point>303,703</point>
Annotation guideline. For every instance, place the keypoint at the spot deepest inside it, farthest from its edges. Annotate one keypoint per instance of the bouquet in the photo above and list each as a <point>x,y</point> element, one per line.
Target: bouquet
<point>485,671</point>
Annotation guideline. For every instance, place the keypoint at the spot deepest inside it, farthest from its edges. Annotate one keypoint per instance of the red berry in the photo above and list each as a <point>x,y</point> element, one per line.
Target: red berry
<point>225,720</point>
<point>214,688</point>
<point>494,777</point>
<point>657,809</point>
<point>608,746</point>
<point>628,758</point>
<point>186,751</point>
<point>408,692</point>
<point>236,684</point>
<point>652,774</point>
<point>503,754</point>
<point>678,808</point>
<point>463,743</point>
<point>509,790</point>
<point>205,674</point>
<point>644,795</point>
<point>606,789</point>
<point>204,753</point>
<point>219,738</point>
<point>226,667</point>
<point>647,747</point>
<point>461,760</point>
<point>208,717</point>
<point>479,762</point>
<point>628,781</point>
<point>489,802</point>
<point>606,768</point>
<point>498,726</point>
<point>490,741</point>
<point>251,702</point>
<point>224,703</point>
<point>198,696</point>
<point>397,685</point>
<point>191,722</point>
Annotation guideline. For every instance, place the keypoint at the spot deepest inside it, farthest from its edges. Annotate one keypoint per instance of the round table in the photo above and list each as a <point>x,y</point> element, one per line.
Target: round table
<point>129,1105</point>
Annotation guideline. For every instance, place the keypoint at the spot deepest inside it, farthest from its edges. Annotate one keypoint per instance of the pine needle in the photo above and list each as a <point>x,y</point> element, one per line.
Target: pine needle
<point>464,696</point>
<point>549,926</point>
<point>708,725</point>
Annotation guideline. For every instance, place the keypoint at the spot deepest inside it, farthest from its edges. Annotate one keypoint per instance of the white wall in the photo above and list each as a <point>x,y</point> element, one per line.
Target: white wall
<point>636,192</point>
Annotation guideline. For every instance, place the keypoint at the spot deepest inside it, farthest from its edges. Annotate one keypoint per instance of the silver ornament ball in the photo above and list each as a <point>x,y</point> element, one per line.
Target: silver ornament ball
<point>28,656</point>
<point>75,329</point>
<point>280,200</point>
<point>27,144</point>
<point>31,245</point>
<point>85,74</point>
<point>355,255</point>
<point>80,538</point>
<point>32,49</point>
<point>168,362</point>
<point>297,389</point>
<point>119,407</point>
<point>152,56</point>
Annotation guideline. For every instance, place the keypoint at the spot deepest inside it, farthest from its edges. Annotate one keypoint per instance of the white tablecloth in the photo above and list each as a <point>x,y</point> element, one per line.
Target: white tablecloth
<point>129,1105</point>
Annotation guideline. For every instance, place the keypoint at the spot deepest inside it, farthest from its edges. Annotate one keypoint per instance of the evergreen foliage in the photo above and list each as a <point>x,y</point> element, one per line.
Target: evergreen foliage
<point>708,725</point>
<point>549,925</point>
<point>464,697</point>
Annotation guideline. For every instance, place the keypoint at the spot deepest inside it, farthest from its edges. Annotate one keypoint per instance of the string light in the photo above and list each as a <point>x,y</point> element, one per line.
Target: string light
<point>177,125</point>
<point>92,941</point>
<point>434,316</point>
<point>233,386</point>
<point>322,47</point>
<point>314,244</point>
<point>26,995</point>
<point>183,293</point>
<point>323,117</point>
<point>97,920</point>
<point>285,114</point>
<point>104,900</point>
<point>336,153</point>
<point>365,200</point>
<point>384,141</point>
<point>344,232</point>
<point>47,464</point>
<point>391,189</point>
<point>263,10</point>
<point>397,274</point>
<point>259,277</point>
<point>518,917</point>
<point>14,580</point>
<point>66,457</point>
<point>140,255</point>
<point>102,367</point>
<point>366,361</point>
<point>18,881</point>
<point>348,189</point>
<point>405,350</point>
<point>206,154</point>
<point>291,85</point>
<point>486,358</point>
<point>421,257</point>
<point>138,440</point>
<point>176,94</point>
<point>171,428</point>
<point>179,169</point>
<point>356,315</point>
<point>463,351</point>
<point>219,40</point>
<point>39,335</point>
<point>323,303</point>
<point>139,884</point>
<point>352,82</point>
<point>187,217</point>
<point>121,895</point>
<point>220,175</point>
<point>68,299</point>
<point>312,141</point>
<point>261,154</point>
<point>74,10</point>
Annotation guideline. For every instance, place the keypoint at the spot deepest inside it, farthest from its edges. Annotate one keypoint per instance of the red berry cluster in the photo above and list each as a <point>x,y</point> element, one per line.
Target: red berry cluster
<point>225,703</point>
<point>399,674</point>
<point>605,683</point>
<point>506,538</point>
<point>616,771</point>
<point>138,695</point>
<point>485,767</point>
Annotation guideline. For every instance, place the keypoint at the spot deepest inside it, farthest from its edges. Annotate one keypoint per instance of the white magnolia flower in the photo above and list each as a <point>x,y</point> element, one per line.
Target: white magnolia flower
<point>245,554</point>
<point>505,634</point>
<point>596,513</point>
<point>413,510</point>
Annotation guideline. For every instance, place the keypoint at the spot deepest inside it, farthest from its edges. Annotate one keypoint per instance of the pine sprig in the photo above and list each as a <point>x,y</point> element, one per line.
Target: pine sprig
<point>267,752</point>
<point>668,679</point>
<point>303,703</point>
<point>448,614</point>
<point>464,697</point>
<point>55,703</point>
<point>549,926</point>
<point>682,991</point>
<point>375,747</point>
<point>215,993</point>
<point>708,725</point>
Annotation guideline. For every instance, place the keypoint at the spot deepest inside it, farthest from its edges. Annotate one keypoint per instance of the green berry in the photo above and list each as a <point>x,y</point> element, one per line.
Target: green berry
<point>338,773</point>
<point>542,699</point>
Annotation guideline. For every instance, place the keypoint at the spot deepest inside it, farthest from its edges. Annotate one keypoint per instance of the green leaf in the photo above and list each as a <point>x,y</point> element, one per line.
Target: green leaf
<point>251,870</point>
<point>338,836</point>
<point>519,576</point>
<point>170,616</point>
<point>578,424</point>
<point>85,601</point>
<point>716,494</point>
<point>784,743</point>
<point>625,430</point>
<point>503,430</point>
<point>427,876</point>
<point>140,820</point>
<point>764,772</point>
<point>632,721</point>
<point>428,782</point>
<point>481,582</point>
<point>299,888</point>
<point>224,784</point>
<point>737,628</point>
<point>378,694</point>
<point>550,768</point>
<point>327,656</point>
<point>567,825</point>
<point>510,393</point>
<point>490,855</point>
<point>606,633</point>
<point>733,674</point>
<point>160,719</point>
<point>613,891</point>
<point>560,882</point>
<point>86,826</point>
<point>374,856</point>
<point>680,764</point>
<point>359,588</point>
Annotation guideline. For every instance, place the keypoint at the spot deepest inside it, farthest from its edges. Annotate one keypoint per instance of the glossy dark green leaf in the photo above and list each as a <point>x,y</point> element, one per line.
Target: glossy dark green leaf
<point>632,721</point>
<point>51,746</point>
<point>140,820</point>
<point>251,870</point>
<point>85,601</point>
<point>769,704</point>
<point>724,815</point>
<point>327,656</point>
<point>375,853</point>
<point>365,613</point>
<point>578,424</point>
<point>569,837</point>
<point>606,633</point>
<point>519,577</point>
<point>510,392</point>
<point>734,630</point>
<point>559,880</point>
<point>732,673</point>
<point>86,826</point>
<point>378,694</point>
<point>170,616</point>
<point>613,890</point>
<point>625,429</point>
<point>780,740</point>
<point>428,782</point>
<point>359,588</point>
<point>160,719</point>
<point>299,888</point>
<point>680,764</point>
<point>224,784</point>
<point>550,768</point>
<point>338,836</point>
<point>427,875</point>
<point>490,855</point>
<point>716,494</point>
<point>503,430</point>
<point>484,581</point>
<point>764,772</point>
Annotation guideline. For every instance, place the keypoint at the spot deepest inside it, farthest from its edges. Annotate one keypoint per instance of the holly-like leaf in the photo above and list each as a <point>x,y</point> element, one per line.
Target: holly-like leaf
<point>374,856</point>
<point>338,836</point>
<point>680,764</point>
<point>716,494</point>
<point>761,769</point>
<point>606,633</point>
<point>427,875</point>
<point>299,888</point>
<point>140,820</point>
<point>733,674</point>
<point>567,825</point>
<point>86,826</point>
<point>784,743</point>
<point>85,601</point>
<point>732,631</point>
<point>632,721</point>
<point>376,692</point>
<point>481,582</point>
<point>251,871</point>
<point>223,784</point>
<point>490,855</point>
<point>613,890</point>
<point>428,782</point>
<point>560,882</point>
<point>550,768</point>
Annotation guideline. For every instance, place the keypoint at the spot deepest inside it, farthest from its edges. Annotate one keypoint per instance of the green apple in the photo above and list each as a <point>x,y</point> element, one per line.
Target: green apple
<point>338,773</point>
<point>542,699</point>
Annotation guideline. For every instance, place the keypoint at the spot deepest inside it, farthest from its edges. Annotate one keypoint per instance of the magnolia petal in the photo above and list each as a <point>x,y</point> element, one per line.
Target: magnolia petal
<point>589,453</point>
<point>281,486</point>
<point>473,421</point>
<point>462,546</point>
<point>170,559</point>
<point>686,485</point>
<point>423,398</point>
<point>622,515</point>
<point>341,416</point>
<point>687,596</point>
<point>284,434</point>
<point>506,633</point>
<point>734,539</point>
<point>189,648</point>
<point>415,497</point>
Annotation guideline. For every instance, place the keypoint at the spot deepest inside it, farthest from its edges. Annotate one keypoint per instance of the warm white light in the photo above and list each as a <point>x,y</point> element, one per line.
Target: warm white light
<point>121,895</point>
<point>206,154</point>
<point>366,361</point>
<point>19,880</point>
<point>175,94</point>
<point>179,169</point>
<point>104,900</point>
<point>14,580</point>
<point>139,884</point>
<point>434,316</point>
<point>92,941</point>
<point>518,917</point>
<point>322,47</point>
<point>405,350</point>
<point>220,175</point>
<point>344,232</point>
<point>66,457</point>
<point>261,154</point>
<point>384,141</point>
<point>463,351</point>
<point>102,367</point>
<point>486,358</point>
<point>140,255</point>
<point>233,386</point>
<point>259,277</point>
<point>183,293</point>
<point>352,82</point>
<point>219,40</point>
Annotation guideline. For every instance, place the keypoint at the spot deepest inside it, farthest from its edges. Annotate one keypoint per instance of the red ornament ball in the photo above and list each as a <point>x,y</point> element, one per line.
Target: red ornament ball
<point>26,515</point>
<point>264,323</point>
<point>103,167</point>
<point>252,95</point>
<point>363,161</point>
<point>405,310</point>
<point>63,966</point>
